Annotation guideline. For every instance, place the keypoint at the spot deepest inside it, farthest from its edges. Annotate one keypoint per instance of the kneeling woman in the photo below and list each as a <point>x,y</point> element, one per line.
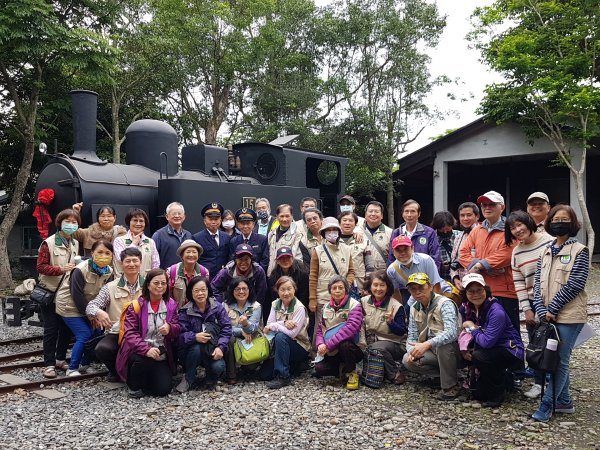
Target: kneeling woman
<point>289,321</point>
<point>146,360</point>
<point>245,314</point>
<point>338,333</point>
<point>80,286</point>
<point>385,324</point>
<point>497,345</point>
<point>205,334</point>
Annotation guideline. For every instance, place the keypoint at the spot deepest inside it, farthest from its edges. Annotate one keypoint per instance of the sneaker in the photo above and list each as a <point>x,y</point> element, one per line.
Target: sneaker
<point>449,394</point>
<point>73,373</point>
<point>353,382</point>
<point>534,392</point>
<point>183,386</point>
<point>232,381</point>
<point>565,408</point>
<point>543,413</point>
<point>278,383</point>
<point>61,364</point>
<point>135,393</point>
<point>84,368</point>
<point>49,372</point>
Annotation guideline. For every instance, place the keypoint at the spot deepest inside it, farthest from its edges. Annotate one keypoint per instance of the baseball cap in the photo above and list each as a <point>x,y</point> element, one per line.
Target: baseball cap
<point>401,240</point>
<point>349,198</point>
<point>538,195</point>
<point>418,278</point>
<point>473,278</point>
<point>243,249</point>
<point>491,196</point>
<point>284,251</point>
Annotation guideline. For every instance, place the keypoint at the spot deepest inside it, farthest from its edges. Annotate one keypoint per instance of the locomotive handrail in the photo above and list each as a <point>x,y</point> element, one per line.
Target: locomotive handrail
<point>166,158</point>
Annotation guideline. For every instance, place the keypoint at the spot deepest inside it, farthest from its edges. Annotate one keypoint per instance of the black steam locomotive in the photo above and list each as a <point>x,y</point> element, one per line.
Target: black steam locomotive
<point>155,175</point>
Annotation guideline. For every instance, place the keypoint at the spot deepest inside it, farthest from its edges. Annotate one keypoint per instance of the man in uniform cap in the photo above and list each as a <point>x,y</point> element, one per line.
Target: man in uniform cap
<point>214,241</point>
<point>538,207</point>
<point>246,220</point>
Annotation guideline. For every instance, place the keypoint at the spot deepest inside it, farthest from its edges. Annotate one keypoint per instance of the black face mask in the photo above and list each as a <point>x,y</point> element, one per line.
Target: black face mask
<point>560,228</point>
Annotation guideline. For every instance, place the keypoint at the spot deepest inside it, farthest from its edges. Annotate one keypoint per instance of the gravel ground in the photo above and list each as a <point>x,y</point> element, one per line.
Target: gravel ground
<point>315,414</point>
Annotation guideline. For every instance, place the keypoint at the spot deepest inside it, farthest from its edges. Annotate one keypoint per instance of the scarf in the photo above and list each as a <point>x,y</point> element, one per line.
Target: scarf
<point>335,306</point>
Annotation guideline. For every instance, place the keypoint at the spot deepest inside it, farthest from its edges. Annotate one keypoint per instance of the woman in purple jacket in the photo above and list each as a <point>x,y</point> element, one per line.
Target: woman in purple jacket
<point>497,346</point>
<point>146,360</point>
<point>205,334</point>
<point>338,334</point>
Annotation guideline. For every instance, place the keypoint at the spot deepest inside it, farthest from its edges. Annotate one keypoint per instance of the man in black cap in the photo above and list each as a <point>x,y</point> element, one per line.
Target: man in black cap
<point>214,241</point>
<point>246,219</point>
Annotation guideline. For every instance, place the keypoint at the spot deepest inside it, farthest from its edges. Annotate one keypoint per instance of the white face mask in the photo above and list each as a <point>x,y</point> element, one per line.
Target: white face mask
<point>228,224</point>
<point>408,262</point>
<point>345,208</point>
<point>332,236</point>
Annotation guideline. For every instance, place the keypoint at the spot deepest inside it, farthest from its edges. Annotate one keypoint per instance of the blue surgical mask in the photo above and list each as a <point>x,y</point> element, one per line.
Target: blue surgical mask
<point>69,228</point>
<point>345,208</point>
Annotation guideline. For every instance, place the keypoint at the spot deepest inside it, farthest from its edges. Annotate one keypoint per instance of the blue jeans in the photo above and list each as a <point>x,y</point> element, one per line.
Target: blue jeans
<point>83,332</point>
<point>287,351</point>
<point>196,356</point>
<point>568,333</point>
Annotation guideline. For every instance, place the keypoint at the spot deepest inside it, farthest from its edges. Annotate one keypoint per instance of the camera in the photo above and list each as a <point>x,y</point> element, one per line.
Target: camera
<point>455,265</point>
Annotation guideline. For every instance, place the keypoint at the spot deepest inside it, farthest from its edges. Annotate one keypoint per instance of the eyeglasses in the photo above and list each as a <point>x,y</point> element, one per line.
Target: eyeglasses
<point>159,283</point>
<point>240,289</point>
<point>489,205</point>
<point>561,220</point>
<point>199,291</point>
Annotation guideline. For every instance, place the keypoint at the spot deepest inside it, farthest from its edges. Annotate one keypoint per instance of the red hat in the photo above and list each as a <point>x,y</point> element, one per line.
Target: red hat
<point>401,240</point>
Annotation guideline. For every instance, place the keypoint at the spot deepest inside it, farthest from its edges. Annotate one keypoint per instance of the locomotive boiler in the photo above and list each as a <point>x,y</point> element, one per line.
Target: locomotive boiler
<point>158,172</point>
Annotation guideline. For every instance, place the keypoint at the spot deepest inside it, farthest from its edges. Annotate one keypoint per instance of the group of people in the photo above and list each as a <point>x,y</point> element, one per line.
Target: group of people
<point>336,290</point>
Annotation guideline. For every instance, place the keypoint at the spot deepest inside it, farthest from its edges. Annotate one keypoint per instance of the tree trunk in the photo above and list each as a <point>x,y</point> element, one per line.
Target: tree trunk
<point>389,190</point>
<point>210,134</point>
<point>587,223</point>
<point>6,280</point>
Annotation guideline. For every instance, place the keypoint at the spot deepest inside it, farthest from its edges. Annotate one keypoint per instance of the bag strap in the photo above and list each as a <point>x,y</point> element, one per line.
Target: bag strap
<point>172,275</point>
<point>337,272</point>
<point>400,272</point>
<point>64,274</point>
<point>377,247</point>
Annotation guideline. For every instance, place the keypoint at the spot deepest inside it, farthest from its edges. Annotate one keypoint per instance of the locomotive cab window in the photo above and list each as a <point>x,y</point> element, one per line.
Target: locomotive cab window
<point>266,167</point>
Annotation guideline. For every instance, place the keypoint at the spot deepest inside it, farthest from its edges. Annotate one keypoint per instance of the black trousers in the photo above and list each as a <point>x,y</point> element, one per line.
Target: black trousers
<point>106,351</point>
<point>492,364</point>
<point>343,361</point>
<point>151,376</point>
<point>57,335</point>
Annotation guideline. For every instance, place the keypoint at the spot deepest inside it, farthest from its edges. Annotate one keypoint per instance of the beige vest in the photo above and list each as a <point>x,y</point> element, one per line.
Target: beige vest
<point>555,274</point>
<point>375,321</point>
<point>147,248</point>
<point>93,283</point>
<point>180,285</point>
<point>382,238</point>
<point>332,318</point>
<point>59,256</point>
<point>430,321</point>
<point>282,315</point>
<point>341,255</point>
<point>119,296</point>
<point>362,260</point>
<point>310,241</point>
<point>291,238</point>
<point>234,315</point>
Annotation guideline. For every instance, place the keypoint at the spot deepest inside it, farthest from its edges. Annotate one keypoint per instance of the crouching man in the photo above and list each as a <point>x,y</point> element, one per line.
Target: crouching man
<point>433,329</point>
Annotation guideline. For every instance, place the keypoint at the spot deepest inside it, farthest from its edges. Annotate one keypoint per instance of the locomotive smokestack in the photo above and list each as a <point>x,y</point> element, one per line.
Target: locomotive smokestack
<point>84,110</point>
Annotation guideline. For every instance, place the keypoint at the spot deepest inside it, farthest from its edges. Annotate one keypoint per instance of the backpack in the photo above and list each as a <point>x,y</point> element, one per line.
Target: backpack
<point>538,356</point>
<point>373,369</point>
<point>136,308</point>
<point>173,275</point>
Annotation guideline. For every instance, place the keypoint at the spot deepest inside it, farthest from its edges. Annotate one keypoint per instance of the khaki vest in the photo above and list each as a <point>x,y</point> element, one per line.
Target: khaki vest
<point>291,238</point>
<point>119,296</point>
<point>375,321</point>
<point>93,283</point>
<point>431,321</point>
<point>332,318</point>
<point>180,285</point>
<point>59,256</point>
<point>281,316</point>
<point>234,315</point>
<point>555,274</point>
<point>360,260</point>
<point>341,254</point>
<point>310,241</point>
<point>147,248</point>
<point>382,238</point>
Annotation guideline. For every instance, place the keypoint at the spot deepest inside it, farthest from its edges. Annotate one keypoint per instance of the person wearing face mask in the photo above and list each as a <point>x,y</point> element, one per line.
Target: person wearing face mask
<point>80,286</point>
<point>332,257</point>
<point>559,296</point>
<point>266,222</point>
<point>348,204</point>
<point>468,218</point>
<point>55,259</point>
<point>228,224</point>
<point>443,223</point>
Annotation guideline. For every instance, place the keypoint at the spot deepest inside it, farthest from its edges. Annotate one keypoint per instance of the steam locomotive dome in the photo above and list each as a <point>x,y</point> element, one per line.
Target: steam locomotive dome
<point>153,177</point>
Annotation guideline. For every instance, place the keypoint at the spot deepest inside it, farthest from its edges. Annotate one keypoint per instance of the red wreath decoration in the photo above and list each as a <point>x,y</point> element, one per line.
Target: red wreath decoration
<point>44,199</point>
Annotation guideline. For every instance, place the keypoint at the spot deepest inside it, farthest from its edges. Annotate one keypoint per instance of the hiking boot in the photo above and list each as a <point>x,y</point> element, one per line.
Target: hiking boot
<point>278,383</point>
<point>565,408</point>
<point>183,386</point>
<point>449,394</point>
<point>399,378</point>
<point>353,382</point>
<point>135,393</point>
<point>49,372</point>
<point>534,392</point>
